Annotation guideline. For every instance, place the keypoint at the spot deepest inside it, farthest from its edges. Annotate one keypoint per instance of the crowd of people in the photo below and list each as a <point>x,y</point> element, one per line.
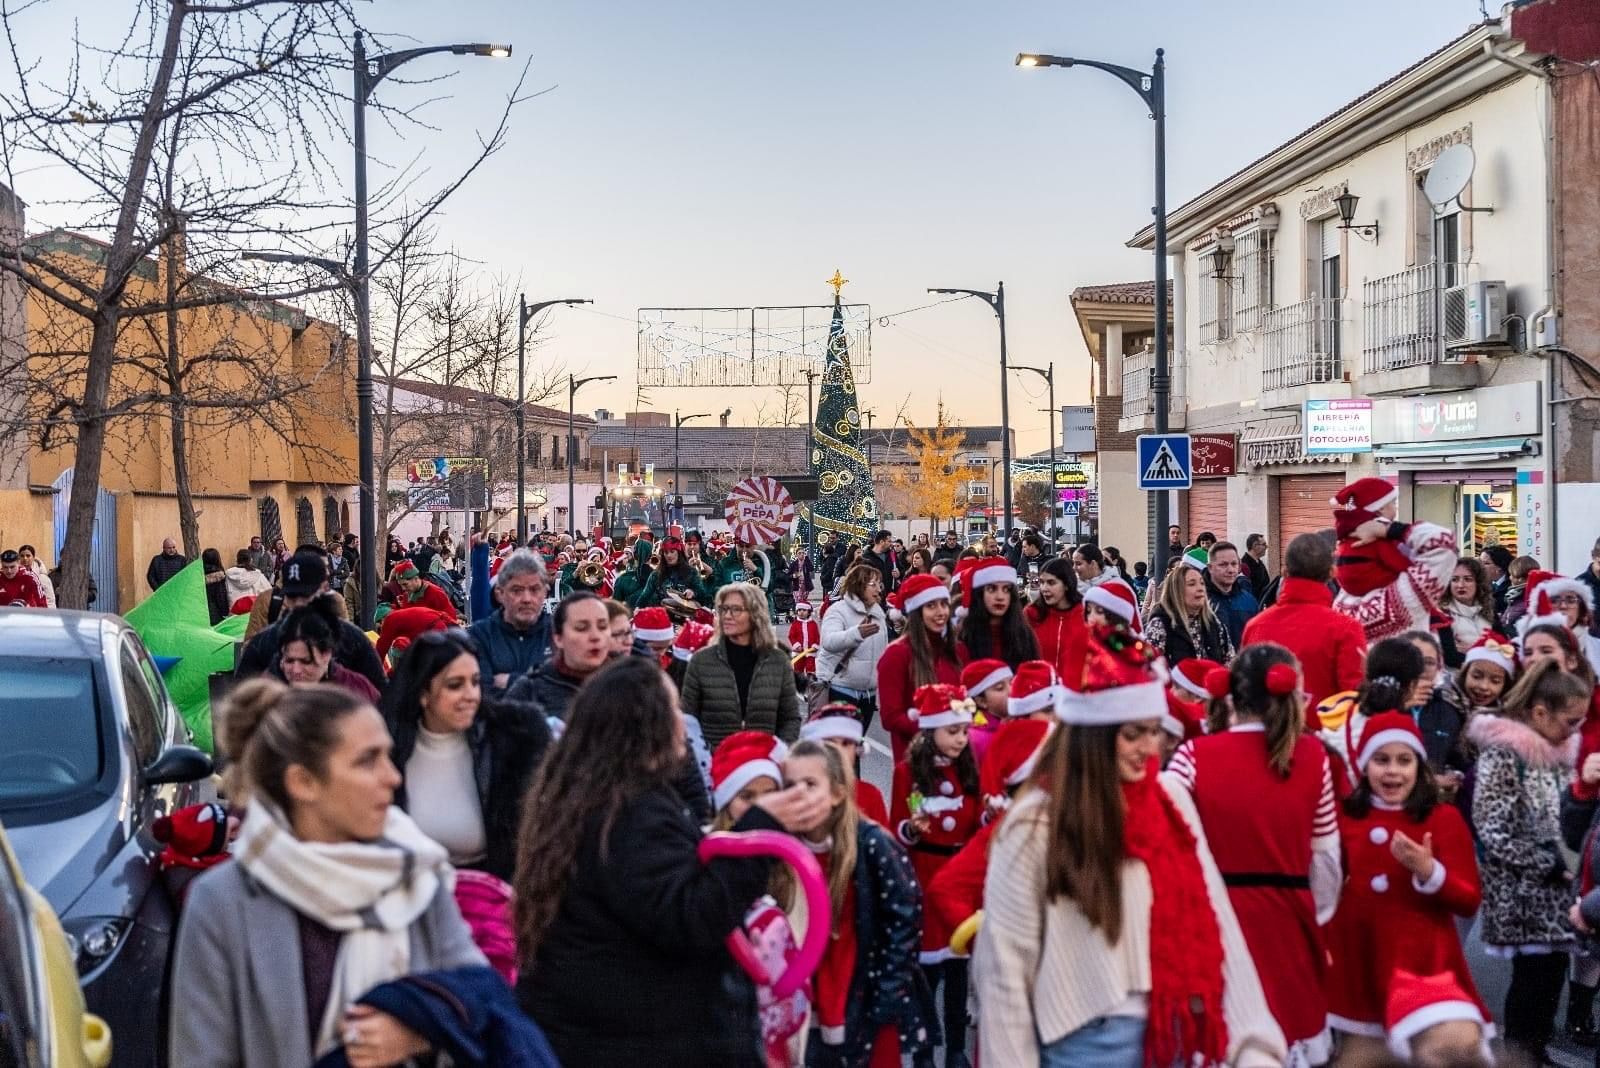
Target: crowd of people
<point>1228,817</point>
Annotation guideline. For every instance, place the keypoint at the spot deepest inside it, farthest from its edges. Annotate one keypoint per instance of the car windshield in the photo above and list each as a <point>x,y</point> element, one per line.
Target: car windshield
<point>51,725</point>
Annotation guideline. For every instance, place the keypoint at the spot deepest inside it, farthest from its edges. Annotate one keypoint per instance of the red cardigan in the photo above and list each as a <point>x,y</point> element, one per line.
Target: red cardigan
<point>1063,641</point>
<point>896,688</point>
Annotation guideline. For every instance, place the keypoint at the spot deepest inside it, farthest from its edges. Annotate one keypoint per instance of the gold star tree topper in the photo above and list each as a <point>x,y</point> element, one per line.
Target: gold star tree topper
<point>838,282</point>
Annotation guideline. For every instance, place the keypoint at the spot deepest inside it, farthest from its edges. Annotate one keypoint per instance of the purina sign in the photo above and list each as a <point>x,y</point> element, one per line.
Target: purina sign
<point>1490,412</point>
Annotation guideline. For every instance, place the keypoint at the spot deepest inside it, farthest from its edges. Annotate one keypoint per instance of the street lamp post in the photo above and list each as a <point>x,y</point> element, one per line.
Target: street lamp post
<point>677,475</point>
<point>573,385</point>
<point>368,73</point>
<point>1048,373</point>
<point>997,301</point>
<point>525,315</point>
<point>1151,86</point>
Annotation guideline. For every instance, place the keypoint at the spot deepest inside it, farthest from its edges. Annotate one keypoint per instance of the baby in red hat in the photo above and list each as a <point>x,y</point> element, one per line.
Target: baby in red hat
<point>1370,555</point>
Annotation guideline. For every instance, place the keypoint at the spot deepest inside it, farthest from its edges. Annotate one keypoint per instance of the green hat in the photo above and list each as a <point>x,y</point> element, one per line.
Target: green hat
<point>1197,558</point>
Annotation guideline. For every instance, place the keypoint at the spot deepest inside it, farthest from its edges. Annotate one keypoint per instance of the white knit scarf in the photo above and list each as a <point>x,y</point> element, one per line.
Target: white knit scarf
<point>371,892</point>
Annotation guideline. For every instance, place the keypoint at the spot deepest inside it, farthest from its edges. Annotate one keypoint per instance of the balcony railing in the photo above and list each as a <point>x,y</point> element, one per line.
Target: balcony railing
<point>1137,400</point>
<point>1302,344</point>
<point>1401,316</point>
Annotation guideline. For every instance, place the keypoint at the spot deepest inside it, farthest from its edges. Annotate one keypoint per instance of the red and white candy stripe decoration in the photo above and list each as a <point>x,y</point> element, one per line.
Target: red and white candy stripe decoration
<point>759,511</point>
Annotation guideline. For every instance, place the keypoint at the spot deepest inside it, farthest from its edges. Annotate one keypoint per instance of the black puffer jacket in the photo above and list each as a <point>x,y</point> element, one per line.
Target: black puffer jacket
<point>548,687</point>
<point>633,970</point>
<point>508,741</point>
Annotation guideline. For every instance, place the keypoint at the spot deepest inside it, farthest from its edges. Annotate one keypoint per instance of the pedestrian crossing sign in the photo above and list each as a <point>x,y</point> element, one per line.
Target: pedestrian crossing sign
<point>1164,462</point>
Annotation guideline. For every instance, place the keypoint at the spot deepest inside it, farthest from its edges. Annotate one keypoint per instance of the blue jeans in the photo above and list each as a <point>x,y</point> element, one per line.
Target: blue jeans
<point>1104,1042</point>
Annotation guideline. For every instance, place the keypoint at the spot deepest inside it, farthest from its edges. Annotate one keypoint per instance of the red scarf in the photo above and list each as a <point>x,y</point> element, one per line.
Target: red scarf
<point>1186,1015</point>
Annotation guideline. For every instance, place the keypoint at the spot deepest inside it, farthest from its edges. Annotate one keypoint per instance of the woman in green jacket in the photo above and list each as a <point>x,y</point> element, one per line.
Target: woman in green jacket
<point>743,680</point>
<point>673,575</point>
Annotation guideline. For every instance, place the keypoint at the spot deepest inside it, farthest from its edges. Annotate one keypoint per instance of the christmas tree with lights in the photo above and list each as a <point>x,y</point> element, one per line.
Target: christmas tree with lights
<point>845,506</point>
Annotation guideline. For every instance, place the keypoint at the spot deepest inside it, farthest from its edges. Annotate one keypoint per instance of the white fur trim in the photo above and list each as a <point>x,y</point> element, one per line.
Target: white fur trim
<point>993,575</point>
<point>648,635</point>
<point>994,678</point>
<point>1037,701</point>
<point>1439,1012</point>
<point>1490,656</point>
<point>847,728</point>
<point>1109,708</point>
<point>1025,768</point>
<point>1383,738</point>
<point>679,653</point>
<point>1435,881</point>
<point>743,776</point>
<point>1556,586</point>
<point>1528,622</point>
<point>1099,595</point>
<point>927,596</point>
<point>947,718</point>
<point>1355,1027</point>
<point>1188,685</point>
<point>1172,725</point>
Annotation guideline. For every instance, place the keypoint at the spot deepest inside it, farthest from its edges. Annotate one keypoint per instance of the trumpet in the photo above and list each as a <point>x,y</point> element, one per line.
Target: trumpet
<point>655,559</point>
<point>590,574</point>
<point>701,566</point>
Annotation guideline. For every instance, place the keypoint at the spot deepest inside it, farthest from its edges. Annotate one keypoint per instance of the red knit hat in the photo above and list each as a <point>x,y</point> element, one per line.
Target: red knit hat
<point>652,624</point>
<point>979,675</point>
<point>837,719</point>
<point>1359,501</point>
<point>919,590</point>
<point>940,705</point>
<point>1493,649</point>
<point>1418,1002</point>
<point>691,639</point>
<point>742,758</point>
<point>1123,681</point>
<point>1384,728</point>
<point>1034,689</point>
<point>1117,599</point>
<point>993,571</point>
<point>195,836</point>
<point>673,545</point>
<point>1011,757</point>
<point>1190,676</point>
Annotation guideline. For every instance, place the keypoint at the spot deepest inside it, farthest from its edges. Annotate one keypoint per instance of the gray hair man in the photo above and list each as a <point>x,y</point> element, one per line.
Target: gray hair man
<point>515,638</point>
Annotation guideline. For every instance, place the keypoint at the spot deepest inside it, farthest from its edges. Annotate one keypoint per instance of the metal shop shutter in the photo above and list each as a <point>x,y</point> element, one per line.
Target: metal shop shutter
<point>1207,509</point>
<point>1302,508</point>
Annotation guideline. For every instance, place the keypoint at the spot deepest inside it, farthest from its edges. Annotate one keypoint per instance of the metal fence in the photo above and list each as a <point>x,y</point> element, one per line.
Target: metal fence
<point>1400,313</point>
<point>1137,400</point>
<point>1302,344</point>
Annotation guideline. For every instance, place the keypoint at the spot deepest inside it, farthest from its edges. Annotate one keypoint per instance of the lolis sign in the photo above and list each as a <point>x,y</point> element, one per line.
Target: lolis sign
<point>1215,455</point>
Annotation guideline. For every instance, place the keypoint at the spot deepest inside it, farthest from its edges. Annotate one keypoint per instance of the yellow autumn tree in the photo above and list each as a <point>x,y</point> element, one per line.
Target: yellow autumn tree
<point>935,484</point>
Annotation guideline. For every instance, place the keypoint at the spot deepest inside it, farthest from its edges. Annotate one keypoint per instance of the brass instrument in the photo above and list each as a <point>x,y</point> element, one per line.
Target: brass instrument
<point>655,559</point>
<point>591,574</point>
<point>701,566</point>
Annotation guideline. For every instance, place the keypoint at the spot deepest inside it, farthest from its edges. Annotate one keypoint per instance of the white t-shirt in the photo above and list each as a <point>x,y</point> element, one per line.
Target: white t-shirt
<point>442,795</point>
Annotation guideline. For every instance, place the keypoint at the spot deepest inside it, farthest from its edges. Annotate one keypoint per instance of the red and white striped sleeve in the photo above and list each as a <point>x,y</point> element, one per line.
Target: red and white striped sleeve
<point>1325,821</point>
<point>1181,766</point>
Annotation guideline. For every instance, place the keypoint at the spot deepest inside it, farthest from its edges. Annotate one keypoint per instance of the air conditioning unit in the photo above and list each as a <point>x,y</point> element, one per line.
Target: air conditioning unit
<point>1474,314</point>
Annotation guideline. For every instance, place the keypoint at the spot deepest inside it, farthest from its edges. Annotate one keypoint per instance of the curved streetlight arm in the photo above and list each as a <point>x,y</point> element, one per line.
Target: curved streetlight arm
<point>578,383</point>
<point>1040,371</point>
<point>534,309</point>
<point>989,298</point>
<point>378,68</point>
<point>1140,81</point>
<point>333,267</point>
<point>682,419</point>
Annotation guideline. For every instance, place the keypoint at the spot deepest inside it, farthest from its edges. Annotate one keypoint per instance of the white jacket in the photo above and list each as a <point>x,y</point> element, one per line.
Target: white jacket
<point>45,585</point>
<point>847,659</point>
<point>245,582</point>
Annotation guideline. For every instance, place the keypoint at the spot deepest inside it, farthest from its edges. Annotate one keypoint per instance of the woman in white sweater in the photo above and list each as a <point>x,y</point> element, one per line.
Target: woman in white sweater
<point>854,633</point>
<point>1092,949</point>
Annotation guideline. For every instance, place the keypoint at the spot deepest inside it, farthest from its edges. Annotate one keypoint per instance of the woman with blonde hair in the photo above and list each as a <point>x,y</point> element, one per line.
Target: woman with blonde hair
<point>854,634</point>
<point>1183,624</point>
<point>742,680</point>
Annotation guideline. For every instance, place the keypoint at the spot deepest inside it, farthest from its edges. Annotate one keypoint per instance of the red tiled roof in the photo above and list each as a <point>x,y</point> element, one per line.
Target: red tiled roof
<point>1120,293</point>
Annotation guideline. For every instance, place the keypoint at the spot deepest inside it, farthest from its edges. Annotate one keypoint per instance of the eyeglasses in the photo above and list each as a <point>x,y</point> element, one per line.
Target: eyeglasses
<point>1566,600</point>
<point>732,609</point>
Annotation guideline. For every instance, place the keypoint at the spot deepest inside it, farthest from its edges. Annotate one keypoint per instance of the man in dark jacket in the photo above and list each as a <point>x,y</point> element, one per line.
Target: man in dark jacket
<point>168,562</point>
<point>1231,597</point>
<point>1496,561</point>
<point>881,556</point>
<point>516,637</point>
<point>1254,562</point>
<point>948,550</point>
<point>831,551</point>
<point>1590,577</point>
<point>304,577</point>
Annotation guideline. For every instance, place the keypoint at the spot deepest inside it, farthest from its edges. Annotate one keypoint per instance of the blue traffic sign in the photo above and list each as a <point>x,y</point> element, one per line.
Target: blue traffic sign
<point>1164,462</point>
<point>1070,507</point>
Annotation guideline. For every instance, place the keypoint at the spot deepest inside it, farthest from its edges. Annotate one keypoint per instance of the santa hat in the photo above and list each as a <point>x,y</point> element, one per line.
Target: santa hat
<point>405,569</point>
<point>192,834</point>
<point>940,705</point>
<point>1543,587</point>
<point>919,590</point>
<point>1493,649</point>
<point>1196,558</point>
<point>1359,502</point>
<point>1123,681</point>
<point>1034,689</point>
<point>1181,719</point>
<point>742,758</point>
<point>1418,1002</point>
<point>1385,728</point>
<point>979,675</point>
<point>1116,598</point>
<point>802,606</point>
<point>1011,757</point>
<point>691,639</point>
<point>992,571</point>
<point>1190,676</point>
<point>652,625</point>
<point>837,719</point>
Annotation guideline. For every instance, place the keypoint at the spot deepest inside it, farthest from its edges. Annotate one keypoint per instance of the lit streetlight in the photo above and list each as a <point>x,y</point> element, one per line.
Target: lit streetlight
<point>573,385</point>
<point>525,315</point>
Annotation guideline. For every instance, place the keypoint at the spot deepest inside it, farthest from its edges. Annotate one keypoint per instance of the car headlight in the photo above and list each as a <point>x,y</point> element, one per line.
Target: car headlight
<point>93,939</point>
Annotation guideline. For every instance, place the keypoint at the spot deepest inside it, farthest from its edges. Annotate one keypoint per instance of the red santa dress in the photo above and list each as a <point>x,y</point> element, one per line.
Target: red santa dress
<point>1388,921</point>
<point>1264,831</point>
<point>805,634</point>
<point>955,816</point>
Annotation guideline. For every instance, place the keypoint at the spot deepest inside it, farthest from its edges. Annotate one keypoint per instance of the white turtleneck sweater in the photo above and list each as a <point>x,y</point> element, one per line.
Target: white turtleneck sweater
<point>442,795</point>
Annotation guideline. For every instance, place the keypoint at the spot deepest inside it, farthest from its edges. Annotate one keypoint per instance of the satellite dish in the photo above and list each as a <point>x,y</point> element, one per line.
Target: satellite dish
<point>1449,175</point>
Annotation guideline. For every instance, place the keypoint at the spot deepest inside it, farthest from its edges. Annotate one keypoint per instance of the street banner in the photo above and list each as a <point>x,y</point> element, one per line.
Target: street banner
<point>759,511</point>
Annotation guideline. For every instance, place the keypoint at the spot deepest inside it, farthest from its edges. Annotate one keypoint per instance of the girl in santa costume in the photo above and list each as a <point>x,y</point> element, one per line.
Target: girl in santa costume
<point>1394,667</point>
<point>1108,936</point>
<point>1525,761</point>
<point>1555,598</point>
<point>1411,871</point>
<point>994,625</point>
<point>1057,620</point>
<point>988,683</point>
<point>921,656</point>
<point>745,767</point>
<point>804,638</point>
<point>935,810</point>
<point>1035,691</point>
<point>870,1001</point>
<point>1111,602</point>
<point>1189,702</point>
<point>838,724</point>
<point>1264,792</point>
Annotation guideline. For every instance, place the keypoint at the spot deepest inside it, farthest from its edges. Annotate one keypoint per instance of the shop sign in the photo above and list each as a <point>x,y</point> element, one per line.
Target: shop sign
<point>1214,455</point>
<point>1334,427</point>
<point>1073,477</point>
<point>1490,412</point>
<point>1077,427</point>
